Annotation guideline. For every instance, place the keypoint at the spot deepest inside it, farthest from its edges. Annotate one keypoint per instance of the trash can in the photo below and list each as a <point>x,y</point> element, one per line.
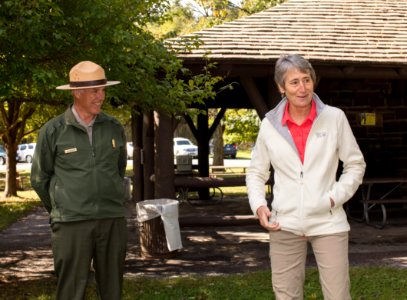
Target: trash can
<point>158,227</point>
<point>184,164</point>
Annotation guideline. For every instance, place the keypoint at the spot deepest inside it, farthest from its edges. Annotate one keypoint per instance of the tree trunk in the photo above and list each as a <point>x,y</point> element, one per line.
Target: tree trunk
<point>10,189</point>
<point>13,118</point>
<point>164,167</point>
<point>218,147</point>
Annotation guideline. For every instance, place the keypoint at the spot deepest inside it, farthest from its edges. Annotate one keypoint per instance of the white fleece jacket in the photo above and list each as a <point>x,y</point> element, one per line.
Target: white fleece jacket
<point>302,191</point>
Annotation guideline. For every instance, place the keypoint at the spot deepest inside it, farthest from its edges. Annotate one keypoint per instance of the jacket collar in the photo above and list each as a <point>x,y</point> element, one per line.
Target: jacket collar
<point>71,120</point>
<point>275,117</point>
<point>276,114</point>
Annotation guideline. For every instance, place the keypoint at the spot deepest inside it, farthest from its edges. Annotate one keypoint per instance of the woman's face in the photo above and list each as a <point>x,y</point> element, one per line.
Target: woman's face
<point>298,88</point>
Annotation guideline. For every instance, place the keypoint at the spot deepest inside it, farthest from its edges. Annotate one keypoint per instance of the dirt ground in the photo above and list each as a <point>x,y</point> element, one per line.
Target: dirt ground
<point>218,238</point>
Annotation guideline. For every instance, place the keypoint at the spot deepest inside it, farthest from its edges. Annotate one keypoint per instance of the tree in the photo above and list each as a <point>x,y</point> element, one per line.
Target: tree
<point>41,40</point>
<point>249,7</point>
<point>180,21</point>
<point>241,125</point>
<point>23,34</point>
<point>208,13</point>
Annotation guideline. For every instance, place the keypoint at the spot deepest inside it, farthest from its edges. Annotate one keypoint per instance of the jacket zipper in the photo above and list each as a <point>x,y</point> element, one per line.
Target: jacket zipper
<point>302,196</point>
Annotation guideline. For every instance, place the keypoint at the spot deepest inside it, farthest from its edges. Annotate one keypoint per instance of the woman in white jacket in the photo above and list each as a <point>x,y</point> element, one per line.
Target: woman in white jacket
<point>302,140</point>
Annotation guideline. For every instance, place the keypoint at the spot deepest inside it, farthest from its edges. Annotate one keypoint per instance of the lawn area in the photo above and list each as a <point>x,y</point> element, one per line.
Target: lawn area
<point>243,154</point>
<point>12,209</point>
<point>367,283</point>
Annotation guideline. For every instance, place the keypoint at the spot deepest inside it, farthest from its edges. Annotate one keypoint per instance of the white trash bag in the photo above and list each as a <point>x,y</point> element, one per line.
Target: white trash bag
<point>168,210</point>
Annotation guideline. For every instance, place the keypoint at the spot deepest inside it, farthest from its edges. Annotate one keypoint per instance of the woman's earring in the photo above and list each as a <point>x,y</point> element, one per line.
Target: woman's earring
<point>282,95</point>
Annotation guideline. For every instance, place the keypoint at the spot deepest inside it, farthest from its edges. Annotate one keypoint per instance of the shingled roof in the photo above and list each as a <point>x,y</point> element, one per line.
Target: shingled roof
<point>347,31</point>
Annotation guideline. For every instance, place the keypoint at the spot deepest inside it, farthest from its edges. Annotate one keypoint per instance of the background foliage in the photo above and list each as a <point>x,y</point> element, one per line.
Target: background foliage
<point>41,40</point>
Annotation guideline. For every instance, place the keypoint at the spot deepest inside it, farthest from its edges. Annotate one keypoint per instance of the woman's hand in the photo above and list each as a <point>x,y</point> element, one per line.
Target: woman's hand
<point>263,213</point>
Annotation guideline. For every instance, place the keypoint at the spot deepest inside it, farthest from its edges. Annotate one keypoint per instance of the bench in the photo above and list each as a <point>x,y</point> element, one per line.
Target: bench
<point>184,184</point>
<point>227,170</point>
<point>382,200</point>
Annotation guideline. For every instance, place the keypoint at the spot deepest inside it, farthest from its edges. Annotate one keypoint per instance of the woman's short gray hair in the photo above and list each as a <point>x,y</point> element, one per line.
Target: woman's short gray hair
<point>289,61</point>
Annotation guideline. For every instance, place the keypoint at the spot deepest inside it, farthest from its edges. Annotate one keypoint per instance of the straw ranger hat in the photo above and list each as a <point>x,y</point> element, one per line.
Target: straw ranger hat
<point>86,75</point>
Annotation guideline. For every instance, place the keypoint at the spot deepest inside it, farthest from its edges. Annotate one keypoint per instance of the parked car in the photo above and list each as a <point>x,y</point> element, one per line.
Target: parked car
<point>25,152</point>
<point>3,155</point>
<point>183,146</point>
<point>129,146</point>
<point>230,150</point>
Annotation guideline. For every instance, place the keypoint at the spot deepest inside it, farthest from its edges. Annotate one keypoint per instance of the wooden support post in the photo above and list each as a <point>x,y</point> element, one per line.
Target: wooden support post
<point>148,154</point>
<point>136,126</point>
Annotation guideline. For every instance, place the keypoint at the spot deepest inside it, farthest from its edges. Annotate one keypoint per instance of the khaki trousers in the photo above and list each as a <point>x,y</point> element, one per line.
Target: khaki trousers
<point>288,254</point>
<point>76,244</point>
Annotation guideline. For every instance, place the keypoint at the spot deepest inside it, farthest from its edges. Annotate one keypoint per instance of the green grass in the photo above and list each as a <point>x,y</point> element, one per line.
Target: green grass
<point>244,154</point>
<point>377,283</point>
<point>13,208</point>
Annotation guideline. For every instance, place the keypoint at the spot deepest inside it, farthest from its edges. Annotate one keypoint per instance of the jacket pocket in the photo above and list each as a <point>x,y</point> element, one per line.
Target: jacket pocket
<point>318,206</point>
<point>286,205</point>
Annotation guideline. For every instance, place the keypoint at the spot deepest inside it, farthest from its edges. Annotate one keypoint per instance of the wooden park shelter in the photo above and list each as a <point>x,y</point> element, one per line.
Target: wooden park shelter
<point>358,49</point>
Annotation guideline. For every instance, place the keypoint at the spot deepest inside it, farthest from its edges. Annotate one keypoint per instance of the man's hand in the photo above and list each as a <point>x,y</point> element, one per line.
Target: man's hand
<point>263,213</point>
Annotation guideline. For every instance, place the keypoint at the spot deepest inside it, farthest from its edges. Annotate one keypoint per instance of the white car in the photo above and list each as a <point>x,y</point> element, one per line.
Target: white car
<point>183,146</point>
<point>25,152</point>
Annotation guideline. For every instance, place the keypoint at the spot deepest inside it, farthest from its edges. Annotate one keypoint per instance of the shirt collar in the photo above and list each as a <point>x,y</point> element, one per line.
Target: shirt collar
<point>79,119</point>
<point>311,116</point>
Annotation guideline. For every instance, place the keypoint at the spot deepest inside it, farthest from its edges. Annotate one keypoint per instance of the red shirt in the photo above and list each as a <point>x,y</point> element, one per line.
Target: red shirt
<point>300,132</point>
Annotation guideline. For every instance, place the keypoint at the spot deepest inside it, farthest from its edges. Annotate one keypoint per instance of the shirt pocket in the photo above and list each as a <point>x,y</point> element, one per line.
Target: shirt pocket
<point>110,149</point>
<point>73,156</point>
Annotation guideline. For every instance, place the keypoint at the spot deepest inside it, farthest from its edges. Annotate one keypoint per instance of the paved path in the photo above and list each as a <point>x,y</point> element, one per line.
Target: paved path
<point>25,246</point>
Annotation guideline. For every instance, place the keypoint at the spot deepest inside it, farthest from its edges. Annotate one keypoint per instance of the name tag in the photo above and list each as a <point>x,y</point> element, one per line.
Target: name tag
<point>71,150</point>
<point>321,134</point>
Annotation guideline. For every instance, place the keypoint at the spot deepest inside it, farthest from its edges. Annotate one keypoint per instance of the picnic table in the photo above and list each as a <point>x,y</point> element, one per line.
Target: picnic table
<point>186,184</point>
<point>21,180</point>
<point>382,198</point>
<point>227,170</point>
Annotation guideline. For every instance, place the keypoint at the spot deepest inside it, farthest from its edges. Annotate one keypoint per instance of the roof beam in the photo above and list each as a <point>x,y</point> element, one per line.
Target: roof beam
<point>255,96</point>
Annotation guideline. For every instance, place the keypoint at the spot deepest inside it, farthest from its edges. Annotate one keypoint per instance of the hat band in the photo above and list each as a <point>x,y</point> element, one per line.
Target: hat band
<point>87,83</point>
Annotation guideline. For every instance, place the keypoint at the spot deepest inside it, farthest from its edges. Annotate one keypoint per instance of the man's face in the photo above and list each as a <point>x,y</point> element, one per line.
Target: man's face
<point>89,101</point>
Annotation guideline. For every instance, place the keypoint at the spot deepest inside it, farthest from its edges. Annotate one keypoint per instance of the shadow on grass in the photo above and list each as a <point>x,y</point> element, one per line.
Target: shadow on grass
<point>366,283</point>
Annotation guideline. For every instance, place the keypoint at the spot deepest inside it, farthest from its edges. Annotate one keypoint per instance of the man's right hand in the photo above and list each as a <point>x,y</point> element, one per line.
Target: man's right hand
<point>264,214</point>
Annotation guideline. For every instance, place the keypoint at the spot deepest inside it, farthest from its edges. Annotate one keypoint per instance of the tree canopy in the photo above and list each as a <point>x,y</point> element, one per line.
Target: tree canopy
<point>41,40</point>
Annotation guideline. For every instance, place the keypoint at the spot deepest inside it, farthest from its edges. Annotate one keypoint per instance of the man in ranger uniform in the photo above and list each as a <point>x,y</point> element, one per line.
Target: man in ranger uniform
<point>78,170</point>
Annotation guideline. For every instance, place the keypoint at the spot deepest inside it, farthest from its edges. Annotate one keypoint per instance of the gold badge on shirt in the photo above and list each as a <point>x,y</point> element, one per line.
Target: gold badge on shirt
<point>70,150</point>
